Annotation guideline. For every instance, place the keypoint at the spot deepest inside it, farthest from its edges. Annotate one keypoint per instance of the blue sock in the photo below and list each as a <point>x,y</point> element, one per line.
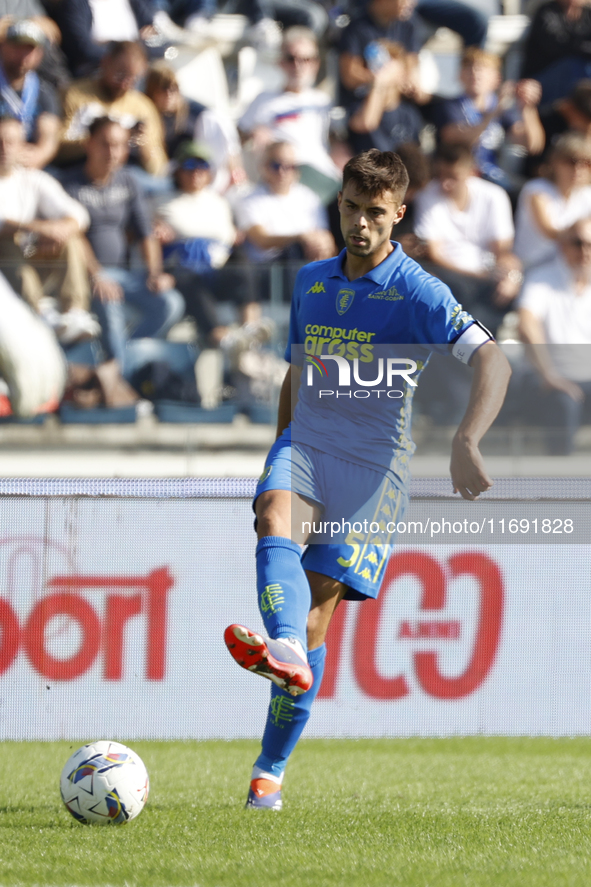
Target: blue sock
<point>283,589</point>
<point>288,715</point>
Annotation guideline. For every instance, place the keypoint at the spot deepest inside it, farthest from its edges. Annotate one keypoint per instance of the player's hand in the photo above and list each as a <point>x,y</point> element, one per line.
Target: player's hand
<point>468,474</point>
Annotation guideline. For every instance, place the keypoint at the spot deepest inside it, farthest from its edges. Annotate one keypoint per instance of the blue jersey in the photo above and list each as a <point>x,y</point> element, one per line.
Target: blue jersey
<point>397,303</point>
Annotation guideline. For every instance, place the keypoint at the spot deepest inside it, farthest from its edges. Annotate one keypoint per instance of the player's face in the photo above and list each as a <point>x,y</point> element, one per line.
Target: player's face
<point>367,220</point>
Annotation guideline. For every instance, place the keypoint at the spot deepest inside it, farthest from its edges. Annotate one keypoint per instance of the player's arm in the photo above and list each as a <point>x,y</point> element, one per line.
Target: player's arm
<point>489,385</point>
<point>288,398</point>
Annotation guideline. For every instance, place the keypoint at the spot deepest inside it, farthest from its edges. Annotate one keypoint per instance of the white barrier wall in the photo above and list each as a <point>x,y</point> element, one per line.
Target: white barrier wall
<point>112,613</point>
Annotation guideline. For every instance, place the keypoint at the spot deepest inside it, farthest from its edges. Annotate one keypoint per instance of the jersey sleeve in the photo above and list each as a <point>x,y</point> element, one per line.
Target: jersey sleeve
<point>445,326</point>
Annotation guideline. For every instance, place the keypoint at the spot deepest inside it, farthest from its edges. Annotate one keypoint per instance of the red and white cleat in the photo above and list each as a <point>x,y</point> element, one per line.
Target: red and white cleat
<point>276,660</point>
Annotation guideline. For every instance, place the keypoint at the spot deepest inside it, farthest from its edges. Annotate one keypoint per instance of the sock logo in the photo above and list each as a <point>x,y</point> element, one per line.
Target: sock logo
<point>271,597</point>
<point>282,709</point>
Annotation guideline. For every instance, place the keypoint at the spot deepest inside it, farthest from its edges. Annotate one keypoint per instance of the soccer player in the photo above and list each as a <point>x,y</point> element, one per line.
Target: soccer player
<point>340,456</point>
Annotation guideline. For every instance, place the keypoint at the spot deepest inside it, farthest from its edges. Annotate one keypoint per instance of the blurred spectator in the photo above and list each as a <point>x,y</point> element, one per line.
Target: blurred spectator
<point>24,95</point>
<point>298,114</point>
<point>362,53</point>
<point>112,93</point>
<point>466,20</point>
<point>572,113</point>
<point>117,208</point>
<point>290,13</point>
<point>467,225</point>
<point>41,252</point>
<point>384,119</point>
<point>183,119</point>
<point>178,114</point>
<point>282,221</point>
<point>31,362</point>
<point>558,47</point>
<point>13,10</point>
<point>555,321</point>
<point>419,174</point>
<point>280,218</point>
<point>196,231</point>
<point>547,206</point>
<point>483,119</point>
<point>88,26</point>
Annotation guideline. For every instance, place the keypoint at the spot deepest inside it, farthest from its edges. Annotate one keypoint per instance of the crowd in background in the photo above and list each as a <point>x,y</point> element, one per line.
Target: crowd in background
<point>127,207</point>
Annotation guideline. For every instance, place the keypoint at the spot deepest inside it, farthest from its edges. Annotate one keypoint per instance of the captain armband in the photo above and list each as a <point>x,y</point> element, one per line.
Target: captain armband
<point>470,341</point>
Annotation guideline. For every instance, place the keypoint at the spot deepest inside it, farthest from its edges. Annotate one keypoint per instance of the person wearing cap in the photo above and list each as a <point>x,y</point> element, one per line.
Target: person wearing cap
<point>117,209</point>
<point>25,96</point>
<point>197,234</point>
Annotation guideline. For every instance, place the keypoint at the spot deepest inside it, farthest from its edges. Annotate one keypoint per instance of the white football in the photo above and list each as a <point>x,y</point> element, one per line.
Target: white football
<point>104,783</point>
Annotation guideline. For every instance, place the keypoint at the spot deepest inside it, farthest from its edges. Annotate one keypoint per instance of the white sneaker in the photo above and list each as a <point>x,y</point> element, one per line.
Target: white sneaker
<point>76,325</point>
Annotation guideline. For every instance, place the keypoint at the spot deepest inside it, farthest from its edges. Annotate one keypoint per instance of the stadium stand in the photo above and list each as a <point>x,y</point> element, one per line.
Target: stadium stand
<point>277,97</point>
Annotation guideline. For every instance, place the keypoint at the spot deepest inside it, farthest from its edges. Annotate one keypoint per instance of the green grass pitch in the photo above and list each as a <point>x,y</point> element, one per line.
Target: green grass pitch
<point>374,813</point>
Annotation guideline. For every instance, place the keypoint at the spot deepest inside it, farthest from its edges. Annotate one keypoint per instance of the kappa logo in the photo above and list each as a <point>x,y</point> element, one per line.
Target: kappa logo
<point>317,288</point>
<point>344,300</point>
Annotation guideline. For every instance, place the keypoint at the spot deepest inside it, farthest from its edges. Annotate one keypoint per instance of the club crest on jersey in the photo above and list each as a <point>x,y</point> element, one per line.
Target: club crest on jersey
<point>344,300</point>
<point>317,288</point>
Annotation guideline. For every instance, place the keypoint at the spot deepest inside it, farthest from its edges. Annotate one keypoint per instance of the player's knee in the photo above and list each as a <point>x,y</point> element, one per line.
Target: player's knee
<point>273,514</point>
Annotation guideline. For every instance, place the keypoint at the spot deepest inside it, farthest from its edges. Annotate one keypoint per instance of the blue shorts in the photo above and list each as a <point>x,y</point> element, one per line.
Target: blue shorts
<point>365,503</point>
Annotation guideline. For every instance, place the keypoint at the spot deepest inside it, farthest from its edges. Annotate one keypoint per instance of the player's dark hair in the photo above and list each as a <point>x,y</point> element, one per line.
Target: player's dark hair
<point>580,97</point>
<point>374,172</point>
<point>452,154</point>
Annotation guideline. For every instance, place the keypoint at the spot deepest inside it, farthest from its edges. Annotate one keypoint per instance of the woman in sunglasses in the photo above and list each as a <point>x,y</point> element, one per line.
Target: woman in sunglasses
<point>551,204</point>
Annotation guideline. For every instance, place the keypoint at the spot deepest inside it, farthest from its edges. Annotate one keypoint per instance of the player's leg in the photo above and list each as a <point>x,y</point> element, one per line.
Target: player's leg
<point>283,595</point>
<point>288,716</point>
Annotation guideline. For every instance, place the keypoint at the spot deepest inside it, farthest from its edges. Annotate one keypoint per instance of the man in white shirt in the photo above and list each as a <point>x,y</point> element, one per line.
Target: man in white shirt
<point>282,220</point>
<point>555,324</point>
<point>298,114</point>
<point>467,224</point>
<point>41,250</point>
